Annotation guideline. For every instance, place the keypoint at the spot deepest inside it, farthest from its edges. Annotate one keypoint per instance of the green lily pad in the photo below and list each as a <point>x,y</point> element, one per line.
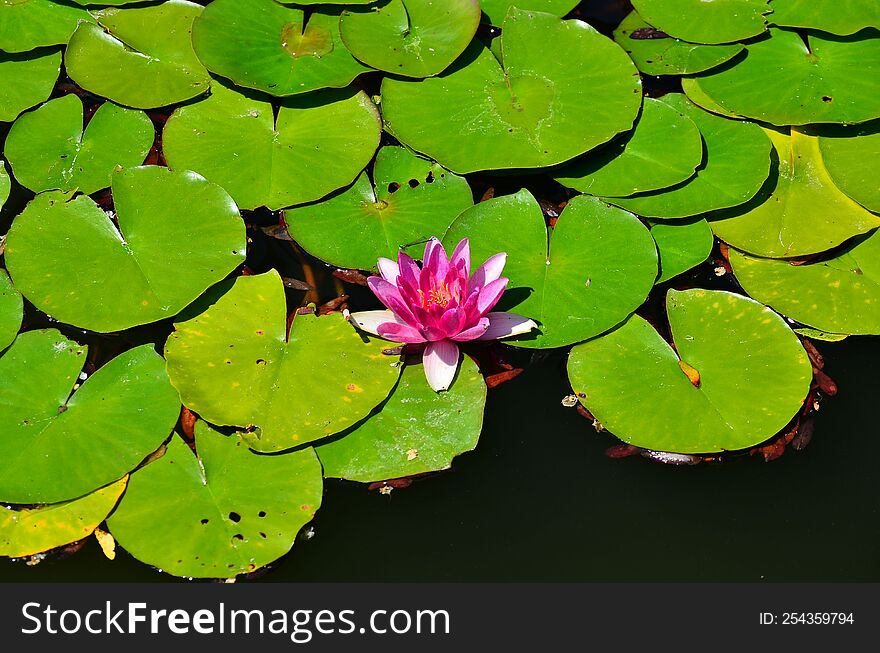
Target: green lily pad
<point>682,244</point>
<point>827,15</point>
<point>48,148</point>
<point>29,24</point>
<point>664,149</point>
<point>827,79</point>
<point>845,153</point>
<point>840,295</point>
<point>288,50</point>
<point>25,81</point>
<point>178,234</point>
<point>34,530</point>
<point>494,11</point>
<point>656,54</point>
<point>753,375</point>
<point>736,164</point>
<point>542,107</point>
<point>699,21</point>
<point>141,57</point>
<point>55,446</point>
<point>11,310</point>
<point>111,3</point>
<point>415,431</point>
<point>696,95</point>
<point>799,211</point>
<point>599,267</point>
<point>314,146</point>
<point>411,200</point>
<point>220,512</point>
<point>235,366</point>
<point>413,38</point>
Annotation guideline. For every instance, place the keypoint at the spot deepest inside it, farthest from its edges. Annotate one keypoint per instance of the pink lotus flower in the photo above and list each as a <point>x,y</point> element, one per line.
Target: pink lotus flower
<point>440,304</point>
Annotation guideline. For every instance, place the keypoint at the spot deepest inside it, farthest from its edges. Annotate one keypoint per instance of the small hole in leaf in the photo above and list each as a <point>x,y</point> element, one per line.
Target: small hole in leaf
<point>413,183</point>
<point>239,537</point>
<point>234,516</point>
<point>393,187</point>
<point>262,513</point>
<point>261,361</point>
<point>827,98</point>
<point>430,178</point>
<point>263,535</point>
<point>204,521</point>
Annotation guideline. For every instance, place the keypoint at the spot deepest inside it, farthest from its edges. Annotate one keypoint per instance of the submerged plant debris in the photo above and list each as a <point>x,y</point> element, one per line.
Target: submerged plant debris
<point>198,197</point>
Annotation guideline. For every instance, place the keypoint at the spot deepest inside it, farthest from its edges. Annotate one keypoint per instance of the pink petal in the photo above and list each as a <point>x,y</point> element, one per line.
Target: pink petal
<point>440,361</point>
<point>490,294</point>
<point>400,333</point>
<point>488,272</point>
<point>461,257</point>
<point>409,270</point>
<point>369,321</point>
<point>390,296</point>
<point>436,262</point>
<point>388,269</point>
<point>503,325</point>
<point>475,332</point>
<point>452,321</point>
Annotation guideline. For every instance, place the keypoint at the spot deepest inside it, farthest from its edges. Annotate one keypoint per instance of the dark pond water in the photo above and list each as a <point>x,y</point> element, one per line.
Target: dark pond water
<point>539,501</point>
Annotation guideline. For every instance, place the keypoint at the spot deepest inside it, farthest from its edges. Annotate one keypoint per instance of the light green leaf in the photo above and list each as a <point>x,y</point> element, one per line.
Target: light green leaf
<point>494,11</point>
<point>699,21</point>
<point>543,106</point>
<point>415,431</point>
<point>656,54</point>
<point>234,365</point>
<point>25,81</point>
<point>220,512</point>
<point>839,295</point>
<point>753,375</point>
<point>48,148</point>
<point>29,24</point>
<point>315,145</point>
<point>683,244</point>
<point>736,164</point>
<point>55,446</point>
<point>34,530</point>
<point>285,55</point>
<point>177,235</point>
<point>412,201</point>
<point>827,15</point>
<point>799,211</point>
<point>845,153</point>
<point>11,310</point>
<point>414,38</point>
<point>140,57</point>
<point>664,149</point>
<point>818,79</point>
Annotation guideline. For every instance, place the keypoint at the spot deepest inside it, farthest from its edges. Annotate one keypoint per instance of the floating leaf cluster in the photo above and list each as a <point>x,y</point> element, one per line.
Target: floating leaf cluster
<point>161,157</point>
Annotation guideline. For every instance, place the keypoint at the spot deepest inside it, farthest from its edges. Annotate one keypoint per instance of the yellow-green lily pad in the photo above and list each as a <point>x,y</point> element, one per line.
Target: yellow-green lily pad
<point>33,530</point>
<point>839,295</point>
<point>799,211</point>
<point>235,365</point>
